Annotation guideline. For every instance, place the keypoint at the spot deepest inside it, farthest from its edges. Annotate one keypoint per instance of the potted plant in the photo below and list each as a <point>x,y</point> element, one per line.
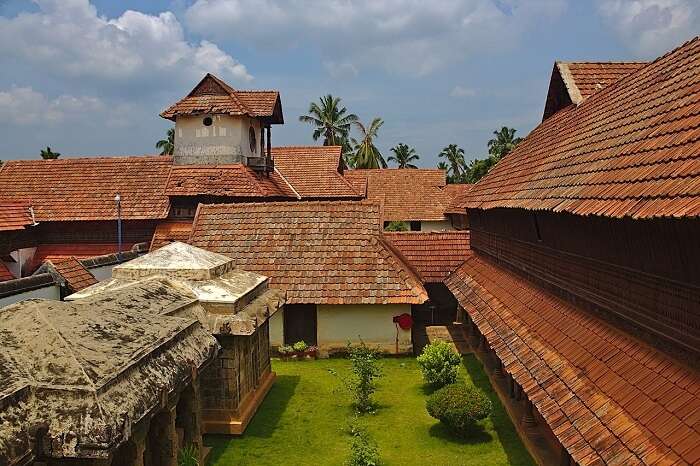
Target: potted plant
<point>300,348</point>
<point>285,351</point>
<point>311,352</point>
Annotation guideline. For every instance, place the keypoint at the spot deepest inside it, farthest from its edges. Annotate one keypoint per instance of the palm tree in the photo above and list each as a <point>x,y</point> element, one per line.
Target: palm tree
<point>366,153</point>
<point>443,166</point>
<point>48,154</point>
<point>403,156</point>
<point>456,167</point>
<point>504,142</point>
<point>167,145</point>
<point>330,120</point>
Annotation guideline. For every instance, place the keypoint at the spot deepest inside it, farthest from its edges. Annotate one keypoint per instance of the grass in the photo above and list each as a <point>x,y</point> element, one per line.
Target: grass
<point>304,421</point>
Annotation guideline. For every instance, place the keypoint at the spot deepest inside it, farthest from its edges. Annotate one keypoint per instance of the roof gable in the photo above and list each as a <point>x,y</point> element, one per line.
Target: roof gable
<point>74,273</point>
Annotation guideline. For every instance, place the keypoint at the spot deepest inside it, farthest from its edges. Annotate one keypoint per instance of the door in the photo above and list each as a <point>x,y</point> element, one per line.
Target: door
<point>300,323</point>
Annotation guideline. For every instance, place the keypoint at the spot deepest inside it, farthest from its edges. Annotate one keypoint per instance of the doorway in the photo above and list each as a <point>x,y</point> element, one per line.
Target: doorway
<point>300,324</point>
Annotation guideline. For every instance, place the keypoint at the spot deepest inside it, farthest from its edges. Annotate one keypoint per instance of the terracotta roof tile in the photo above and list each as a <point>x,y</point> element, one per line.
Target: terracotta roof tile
<point>318,252</point>
<point>434,255</point>
<point>14,215</point>
<point>169,232</point>
<point>212,95</point>
<point>314,171</point>
<point>457,194</point>
<point>591,383</point>
<point>630,150</point>
<point>235,180</point>
<point>74,273</point>
<point>5,273</point>
<point>84,188</point>
<point>406,194</point>
<point>59,252</point>
<point>587,78</point>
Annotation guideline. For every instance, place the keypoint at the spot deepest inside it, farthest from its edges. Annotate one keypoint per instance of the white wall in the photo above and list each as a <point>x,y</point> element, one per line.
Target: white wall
<point>436,226</point>
<point>225,141</point>
<point>48,292</point>
<point>277,329</point>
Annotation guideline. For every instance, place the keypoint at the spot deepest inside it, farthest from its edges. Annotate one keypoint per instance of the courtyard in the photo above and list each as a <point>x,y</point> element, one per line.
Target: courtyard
<point>305,420</point>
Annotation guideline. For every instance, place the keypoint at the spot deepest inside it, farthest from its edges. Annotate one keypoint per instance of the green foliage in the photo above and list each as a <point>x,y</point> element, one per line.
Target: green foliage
<point>454,157</point>
<point>285,349</point>
<point>48,154</point>
<point>459,407</point>
<point>366,153</point>
<point>363,449</point>
<point>188,456</point>
<point>504,142</point>
<point>397,225</point>
<point>300,346</point>
<point>478,168</point>
<point>365,370</point>
<point>167,145</point>
<point>330,120</point>
<point>403,156</point>
<point>439,364</point>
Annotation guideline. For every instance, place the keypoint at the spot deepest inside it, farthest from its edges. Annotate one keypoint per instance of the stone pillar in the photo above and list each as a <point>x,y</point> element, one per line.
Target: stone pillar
<point>140,438</point>
<point>189,414</point>
<point>163,441</point>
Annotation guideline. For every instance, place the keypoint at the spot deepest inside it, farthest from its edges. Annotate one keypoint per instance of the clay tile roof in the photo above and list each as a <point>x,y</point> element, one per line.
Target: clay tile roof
<point>14,215</point>
<point>318,252</point>
<point>630,150</point>
<point>169,232</point>
<point>315,172</point>
<point>456,194</point>
<point>609,398</point>
<point>406,194</point>
<point>59,252</point>
<point>434,255</point>
<point>74,273</point>
<point>5,273</point>
<point>84,188</point>
<point>212,95</point>
<point>235,180</point>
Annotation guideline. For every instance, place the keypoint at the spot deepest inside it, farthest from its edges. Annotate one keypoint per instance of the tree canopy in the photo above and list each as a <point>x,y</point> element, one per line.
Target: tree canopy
<point>167,145</point>
<point>366,153</point>
<point>330,120</point>
<point>48,154</point>
<point>403,156</point>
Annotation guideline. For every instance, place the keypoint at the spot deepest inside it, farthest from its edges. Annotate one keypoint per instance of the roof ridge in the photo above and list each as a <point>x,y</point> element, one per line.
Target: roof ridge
<point>395,255</point>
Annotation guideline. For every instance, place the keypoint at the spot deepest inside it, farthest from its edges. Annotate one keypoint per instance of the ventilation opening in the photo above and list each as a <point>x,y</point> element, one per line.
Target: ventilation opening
<point>207,121</point>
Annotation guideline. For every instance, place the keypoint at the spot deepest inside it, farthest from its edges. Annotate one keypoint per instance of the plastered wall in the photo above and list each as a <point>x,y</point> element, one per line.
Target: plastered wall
<point>225,141</point>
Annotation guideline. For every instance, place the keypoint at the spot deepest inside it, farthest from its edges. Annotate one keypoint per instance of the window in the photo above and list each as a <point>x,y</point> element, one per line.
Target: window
<point>251,138</point>
<point>207,121</point>
<point>415,226</point>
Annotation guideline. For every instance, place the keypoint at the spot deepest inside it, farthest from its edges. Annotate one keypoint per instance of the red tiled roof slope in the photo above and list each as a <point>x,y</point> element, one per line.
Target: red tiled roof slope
<point>607,397</point>
<point>14,215</point>
<point>75,274</point>
<point>407,194</point>
<point>456,194</point>
<point>318,252</point>
<point>5,273</point>
<point>169,232</point>
<point>590,77</point>
<point>434,255</point>
<point>84,188</point>
<point>630,150</point>
<point>235,180</point>
<point>60,252</point>
<point>314,171</point>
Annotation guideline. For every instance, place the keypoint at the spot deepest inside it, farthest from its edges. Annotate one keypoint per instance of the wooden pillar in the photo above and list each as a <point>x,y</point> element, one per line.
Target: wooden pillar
<point>499,371</point>
<point>529,416</point>
<point>269,142</point>
<point>518,391</point>
<point>262,141</point>
<point>511,387</point>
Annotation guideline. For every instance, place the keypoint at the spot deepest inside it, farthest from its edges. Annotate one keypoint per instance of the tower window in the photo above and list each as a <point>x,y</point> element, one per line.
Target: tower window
<point>207,121</point>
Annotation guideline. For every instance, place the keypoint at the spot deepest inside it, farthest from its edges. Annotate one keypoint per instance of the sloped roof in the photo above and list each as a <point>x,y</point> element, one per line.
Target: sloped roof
<point>171,231</point>
<point>62,251</point>
<point>212,96</point>
<point>434,255</point>
<point>406,194</point>
<point>5,273</point>
<point>74,273</point>
<point>314,171</point>
<point>457,194</point>
<point>84,188</point>
<point>318,252</point>
<point>234,180</point>
<point>14,215</point>
<point>630,150</point>
<point>608,398</point>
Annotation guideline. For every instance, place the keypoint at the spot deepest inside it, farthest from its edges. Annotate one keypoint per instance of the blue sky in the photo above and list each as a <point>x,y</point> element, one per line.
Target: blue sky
<point>89,78</point>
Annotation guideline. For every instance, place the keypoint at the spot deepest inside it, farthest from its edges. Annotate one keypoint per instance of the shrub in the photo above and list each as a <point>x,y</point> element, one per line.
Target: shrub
<point>397,226</point>
<point>365,370</point>
<point>438,363</point>
<point>285,350</point>
<point>363,449</point>
<point>459,407</point>
<point>188,456</point>
<point>300,346</point>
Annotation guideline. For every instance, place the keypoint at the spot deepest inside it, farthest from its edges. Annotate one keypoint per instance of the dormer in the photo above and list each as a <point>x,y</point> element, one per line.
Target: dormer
<point>216,124</point>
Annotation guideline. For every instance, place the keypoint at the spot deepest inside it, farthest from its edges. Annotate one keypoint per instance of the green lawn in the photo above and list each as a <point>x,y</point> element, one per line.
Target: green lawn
<point>303,421</point>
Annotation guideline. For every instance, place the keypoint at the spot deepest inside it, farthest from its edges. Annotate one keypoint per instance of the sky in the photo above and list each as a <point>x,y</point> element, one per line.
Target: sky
<point>90,77</point>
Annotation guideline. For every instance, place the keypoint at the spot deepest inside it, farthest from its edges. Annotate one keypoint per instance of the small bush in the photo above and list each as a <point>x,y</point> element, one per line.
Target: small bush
<point>459,407</point>
<point>300,346</point>
<point>285,350</point>
<point>397,226</point>
<point>365,370</point>
<point>363,449</point>
<point>438,362</point>
<point>188,456</point>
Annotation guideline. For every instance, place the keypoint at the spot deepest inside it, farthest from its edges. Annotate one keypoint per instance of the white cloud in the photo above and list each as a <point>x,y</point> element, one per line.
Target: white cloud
<point>461,92</point>
<point>25,106</point>
<point>406,36</point>
<point>652,27</point>
<point>68,38</point>
<point>339,70</point>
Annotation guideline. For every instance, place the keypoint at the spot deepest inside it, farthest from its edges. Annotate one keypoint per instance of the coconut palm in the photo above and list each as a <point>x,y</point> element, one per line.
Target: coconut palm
<point>403,156</point>
<point>504,142</point>
<point>167,145</point>
<point>456,167</point>
<point>48,154</point>
<point>443,166</point>
<point>331,120</point>
<point>366,153</point>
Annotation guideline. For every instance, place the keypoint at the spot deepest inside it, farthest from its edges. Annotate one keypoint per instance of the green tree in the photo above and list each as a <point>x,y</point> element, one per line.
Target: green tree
<point>167,145</point>
<point>403,156</point>
<point>48,154</point>
<point>366,153</point>
<point>443,166</point>
<point>330,119</point>
<point>478,168</point>
<point>456,167</point>
<point>503,142</point>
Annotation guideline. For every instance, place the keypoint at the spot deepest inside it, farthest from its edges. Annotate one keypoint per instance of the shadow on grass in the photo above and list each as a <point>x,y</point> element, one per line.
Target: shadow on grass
<point>265,420</point>
<point>505,430</point>
<point>474,436</point>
